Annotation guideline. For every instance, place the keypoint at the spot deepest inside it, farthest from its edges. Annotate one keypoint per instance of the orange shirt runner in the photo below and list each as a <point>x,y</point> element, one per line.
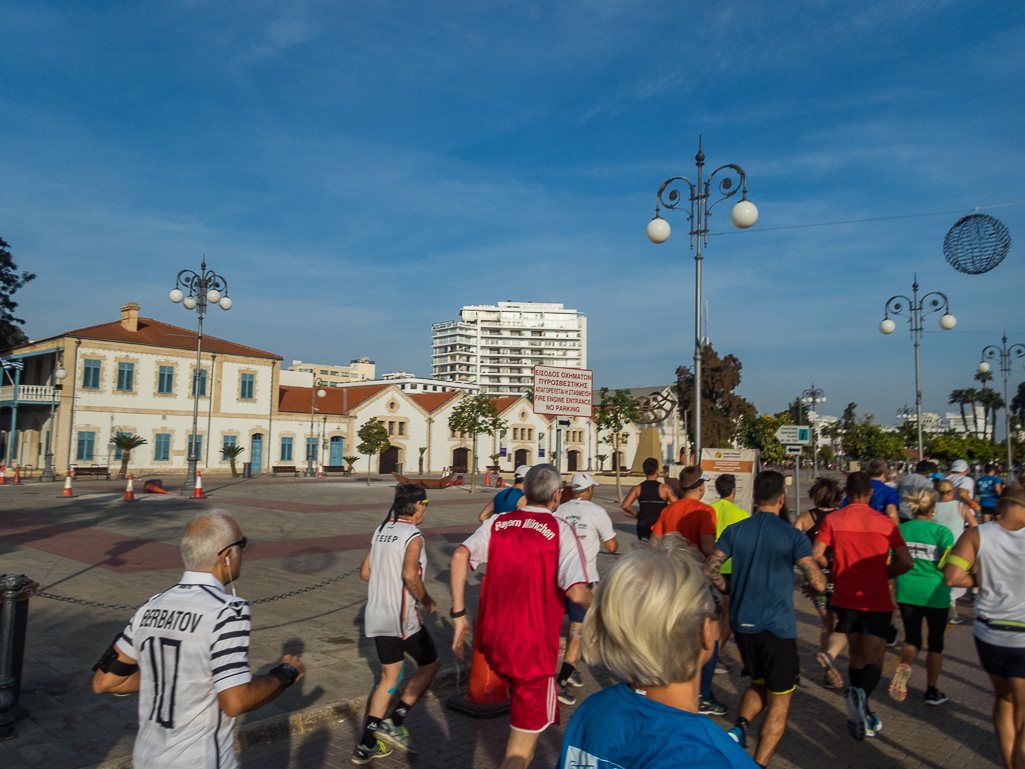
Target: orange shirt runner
<point>690,517</point>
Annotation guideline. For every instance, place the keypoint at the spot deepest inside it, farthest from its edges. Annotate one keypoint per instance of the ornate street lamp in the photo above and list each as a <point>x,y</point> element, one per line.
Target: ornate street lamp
<point>57,375</point>
<point>315,392</point>
<point>813,395</point>
<point>1006,355</point>
<point>916,309</point>
<point>743,215</point>
<point>194,291</point>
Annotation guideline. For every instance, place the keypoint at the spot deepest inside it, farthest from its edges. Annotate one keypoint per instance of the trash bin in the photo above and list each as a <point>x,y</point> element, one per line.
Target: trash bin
<point>15,644</point>
<point>398,468</point>
<point>247,469</point>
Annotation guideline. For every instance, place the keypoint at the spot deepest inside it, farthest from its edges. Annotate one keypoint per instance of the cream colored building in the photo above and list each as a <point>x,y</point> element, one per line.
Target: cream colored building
<point>359,370</point>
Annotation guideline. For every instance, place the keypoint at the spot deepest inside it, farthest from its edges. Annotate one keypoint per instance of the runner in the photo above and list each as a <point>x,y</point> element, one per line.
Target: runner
<point>652,495</point>
<point>507,499</point>
<point>765,549</point>
<point>825,493</point>
<point>394,567</point>
<point>997,551</point>
<point>920,478</point>
<point>955,516</point>
<point>923,595</point>
<point>594,529</point>
<point>653,624</point>
<point>726,514</point>
<point>695,522</point>
<point>989,487</point>
<point>964,484</point>
<point>861,540</point>
<point>534,562</point>
<point>186,652</point>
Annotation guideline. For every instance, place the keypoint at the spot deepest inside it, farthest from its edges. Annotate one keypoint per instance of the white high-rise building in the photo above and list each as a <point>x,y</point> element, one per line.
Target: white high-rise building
<point>497,346</point>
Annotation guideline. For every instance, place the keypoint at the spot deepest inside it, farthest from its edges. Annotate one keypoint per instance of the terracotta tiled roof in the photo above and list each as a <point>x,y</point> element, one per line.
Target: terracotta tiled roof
<point>335,400</point>
<point>431,402</point>
<point>158,334</point>
<point>504,403</point>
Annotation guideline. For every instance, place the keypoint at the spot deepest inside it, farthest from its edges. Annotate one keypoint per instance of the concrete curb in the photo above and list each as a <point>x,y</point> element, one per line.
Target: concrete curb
<point>286,725</point>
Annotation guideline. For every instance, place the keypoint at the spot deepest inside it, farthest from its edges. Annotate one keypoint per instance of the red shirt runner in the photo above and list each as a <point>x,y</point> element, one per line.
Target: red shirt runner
<point>689,517</point>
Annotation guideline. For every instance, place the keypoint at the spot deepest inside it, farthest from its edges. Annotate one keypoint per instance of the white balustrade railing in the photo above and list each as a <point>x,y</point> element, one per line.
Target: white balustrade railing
<point>29,393</point>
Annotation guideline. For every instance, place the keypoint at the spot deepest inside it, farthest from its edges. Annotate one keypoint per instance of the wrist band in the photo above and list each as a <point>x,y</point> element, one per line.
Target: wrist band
<point>457,614</point>
<point>285,673</point>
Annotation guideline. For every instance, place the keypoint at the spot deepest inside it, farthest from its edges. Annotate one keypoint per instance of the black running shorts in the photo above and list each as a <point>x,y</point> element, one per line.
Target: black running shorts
<point>419,646</point>
<point>1001,661</point>
<point>770,661</point>
<point>875,623</point>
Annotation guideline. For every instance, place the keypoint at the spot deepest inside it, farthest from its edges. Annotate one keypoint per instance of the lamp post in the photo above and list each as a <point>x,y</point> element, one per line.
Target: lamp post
<point>916,309</point>
<point>813,395</point>
<point>194,291</point>
<point>316,391</point>
<point>1006,355</point>
<point>57,375</point>
<point>743,215</point>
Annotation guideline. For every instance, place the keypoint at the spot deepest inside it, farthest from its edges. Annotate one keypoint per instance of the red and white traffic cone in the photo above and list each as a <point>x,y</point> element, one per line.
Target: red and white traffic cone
<point>198,492</point>
<point>67,487</point>
<point>17,475</point>
<point>320,470</point>
<point>130,491</point>
<point>488,694</point>
<point>3,473</point>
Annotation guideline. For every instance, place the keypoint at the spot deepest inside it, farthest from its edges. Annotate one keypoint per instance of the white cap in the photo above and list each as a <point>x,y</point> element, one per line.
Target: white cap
<point>583,481</point>
<point>959,466</point>
<point>522,470</point>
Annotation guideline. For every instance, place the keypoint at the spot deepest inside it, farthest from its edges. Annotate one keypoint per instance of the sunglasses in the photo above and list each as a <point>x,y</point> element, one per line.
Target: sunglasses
<point>241,544</point>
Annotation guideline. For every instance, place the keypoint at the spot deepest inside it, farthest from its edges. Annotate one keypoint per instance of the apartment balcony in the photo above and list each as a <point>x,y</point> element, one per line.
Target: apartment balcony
<point>30,394</point>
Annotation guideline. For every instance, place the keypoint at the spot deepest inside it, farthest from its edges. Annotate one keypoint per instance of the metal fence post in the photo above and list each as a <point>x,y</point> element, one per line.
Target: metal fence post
<point>11,586</point>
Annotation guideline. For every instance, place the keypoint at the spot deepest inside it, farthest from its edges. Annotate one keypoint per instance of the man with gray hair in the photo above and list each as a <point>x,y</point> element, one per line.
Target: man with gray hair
<point>186,653</point>
<point>534,563</point>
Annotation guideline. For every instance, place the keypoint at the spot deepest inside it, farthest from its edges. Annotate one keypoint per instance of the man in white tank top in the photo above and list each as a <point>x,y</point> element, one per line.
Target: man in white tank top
<point>993,556</point>
<point>394,567</point>
<point>186,653</point>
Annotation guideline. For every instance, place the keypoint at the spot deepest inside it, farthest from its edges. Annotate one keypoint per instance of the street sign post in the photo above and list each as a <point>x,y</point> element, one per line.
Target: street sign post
<point>793,450</point>
<point>794,435</point>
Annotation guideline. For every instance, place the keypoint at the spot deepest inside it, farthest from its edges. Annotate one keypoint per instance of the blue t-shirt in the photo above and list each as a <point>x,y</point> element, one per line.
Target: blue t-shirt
<point>986,486</point>
<point>764,549</point>
<point>882,495</point>
<point>506,501</point>
<point>617,727</point>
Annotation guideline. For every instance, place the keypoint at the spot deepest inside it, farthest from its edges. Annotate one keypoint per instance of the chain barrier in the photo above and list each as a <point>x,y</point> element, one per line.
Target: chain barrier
<point>118,607</point>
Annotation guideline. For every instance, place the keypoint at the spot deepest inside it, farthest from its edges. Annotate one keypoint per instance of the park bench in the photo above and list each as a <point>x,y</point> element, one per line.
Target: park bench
<point>92,470</point>
<point>277,470</point>
<point>343,469</point>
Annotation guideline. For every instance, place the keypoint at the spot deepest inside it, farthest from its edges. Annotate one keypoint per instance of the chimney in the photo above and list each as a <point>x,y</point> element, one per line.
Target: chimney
<point>130,317</point>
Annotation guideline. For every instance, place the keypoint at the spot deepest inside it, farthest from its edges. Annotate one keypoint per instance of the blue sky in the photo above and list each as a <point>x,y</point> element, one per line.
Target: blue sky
<point>358,171</point>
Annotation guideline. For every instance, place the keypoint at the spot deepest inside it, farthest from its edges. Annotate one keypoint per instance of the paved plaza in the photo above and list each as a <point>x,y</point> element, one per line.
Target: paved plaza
<point>97,549</point>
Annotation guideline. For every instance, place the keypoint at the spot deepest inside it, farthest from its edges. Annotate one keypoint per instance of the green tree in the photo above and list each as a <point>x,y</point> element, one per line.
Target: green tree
<point>1018,404</point>
<point>991,402</point>
<point>475,415</point>
<point>10,281</point>
<point>374,437</point>
<point>866,440</point>
<point>351,462</point>
<point>231,453</point>
<point>601,461</point>
<point>850,417</point>
<point>610,416</point>
<point>422,451</point>
<point>126,443</point>
<point>721,408</point>
<point>825,454</point>
<point>947,448</point>
<point>759,432</point>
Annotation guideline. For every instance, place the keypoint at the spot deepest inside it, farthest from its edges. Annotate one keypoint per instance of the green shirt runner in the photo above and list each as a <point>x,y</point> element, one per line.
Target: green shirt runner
<point>927,542</point>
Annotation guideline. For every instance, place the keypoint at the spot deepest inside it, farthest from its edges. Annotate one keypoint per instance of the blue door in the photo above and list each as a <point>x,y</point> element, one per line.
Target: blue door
<point>256,452</point>
<point>337,450</point>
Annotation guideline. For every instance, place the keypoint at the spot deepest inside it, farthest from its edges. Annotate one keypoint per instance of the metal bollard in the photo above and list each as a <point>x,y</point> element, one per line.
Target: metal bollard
<point>12,648</point>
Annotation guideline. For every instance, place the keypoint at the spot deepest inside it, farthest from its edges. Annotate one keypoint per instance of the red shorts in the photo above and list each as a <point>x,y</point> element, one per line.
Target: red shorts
<point>535,704</point>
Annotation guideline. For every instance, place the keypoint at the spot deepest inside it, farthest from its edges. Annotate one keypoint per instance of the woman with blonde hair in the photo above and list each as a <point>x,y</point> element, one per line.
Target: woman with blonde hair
<point>922,594</point>
<point>653,622</point>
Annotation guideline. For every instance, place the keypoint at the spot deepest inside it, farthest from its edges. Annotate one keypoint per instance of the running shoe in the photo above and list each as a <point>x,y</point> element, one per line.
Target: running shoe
<point>363,755</point>
<point>565,697</point>
<point>934,696</point>
<point>954,617</point>
<point>398,736</point>
<point>857,717</point>
<point>899,684</point>
<point>833,678</point>
<point>895,636</point>
<point>739,735</point>
<point>722,668</point>
<point>873,725</point>
<point>575,679</point>
<point>712,707</point>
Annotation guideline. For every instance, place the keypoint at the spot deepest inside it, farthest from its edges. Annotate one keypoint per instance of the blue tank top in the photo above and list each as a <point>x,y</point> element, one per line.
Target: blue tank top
<point>506,501</point>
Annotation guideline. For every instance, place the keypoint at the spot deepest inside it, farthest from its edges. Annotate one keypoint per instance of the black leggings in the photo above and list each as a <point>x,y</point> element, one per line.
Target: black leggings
<point>936,619</point>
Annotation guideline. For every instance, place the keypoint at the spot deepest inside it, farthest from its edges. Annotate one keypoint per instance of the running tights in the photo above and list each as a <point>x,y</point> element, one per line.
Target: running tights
<point>866,678</point>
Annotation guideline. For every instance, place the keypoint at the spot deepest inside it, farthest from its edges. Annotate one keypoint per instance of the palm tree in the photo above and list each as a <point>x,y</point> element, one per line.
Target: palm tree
<point>231,453</point>
<point>126,442</point>
<point>992,402</point>
<point>984,376</point>
<point>351,462</point>
<point>960,398</point>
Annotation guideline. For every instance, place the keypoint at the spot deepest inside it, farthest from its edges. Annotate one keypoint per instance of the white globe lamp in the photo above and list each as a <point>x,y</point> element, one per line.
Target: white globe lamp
<point>213,296</point>
<point>189,303</point>
<point>658,230</point>
<point>176,296</point>
<point>947,322</point>
<point>321,393</point>
<point>983,368</point>
<point>744,214</point>
<point>887,326</point>
<point>225,303</point>
<point>61,374</point>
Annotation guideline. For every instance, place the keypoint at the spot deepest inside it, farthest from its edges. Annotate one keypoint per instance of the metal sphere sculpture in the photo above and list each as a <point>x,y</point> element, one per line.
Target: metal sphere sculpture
<point>976,244</point>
